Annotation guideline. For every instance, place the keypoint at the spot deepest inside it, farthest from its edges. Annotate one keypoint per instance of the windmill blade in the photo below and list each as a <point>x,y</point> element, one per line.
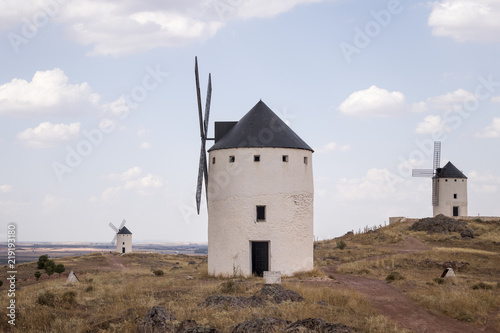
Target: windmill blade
<point>205,123</point>
<point>121,225</point>
<point>198,94</point>
<point>435,192</point>
<point>427,173</point>
<point>437,155</point>
<point>111,225</point>
<point>201,174</point>
<point>113,241</point>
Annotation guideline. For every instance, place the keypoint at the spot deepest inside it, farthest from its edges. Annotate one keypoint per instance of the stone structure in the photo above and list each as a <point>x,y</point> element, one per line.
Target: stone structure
<point>124,241</point>
<point>260,197</point>
<point>452,186</point>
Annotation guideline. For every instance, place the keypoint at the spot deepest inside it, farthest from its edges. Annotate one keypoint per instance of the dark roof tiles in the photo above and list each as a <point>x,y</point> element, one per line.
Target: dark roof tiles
<point>260,128</point>
<point>449,171</point>
<point>124,231</point>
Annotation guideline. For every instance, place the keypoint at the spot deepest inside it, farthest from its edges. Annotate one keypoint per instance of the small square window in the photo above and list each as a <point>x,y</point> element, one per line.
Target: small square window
<point>261,213</point>
<point>213,160</point>
<point>256,158</point>
<point>446,180</point>
<point>284,158</point>
<point>454,196</point>
<point>123,243</point>
<point>305,159</point>
<point>455,180</point>
<point>231,159</point>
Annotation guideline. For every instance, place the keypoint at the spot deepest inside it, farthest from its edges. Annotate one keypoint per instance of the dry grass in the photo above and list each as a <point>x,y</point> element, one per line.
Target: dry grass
<point>458,300</point>
<point>113,299</point>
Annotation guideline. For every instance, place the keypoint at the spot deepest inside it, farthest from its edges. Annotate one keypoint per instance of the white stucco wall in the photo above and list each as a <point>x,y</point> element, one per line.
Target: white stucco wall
<point>234,191</point>
<point>447,188</point>
<point>124,238</point>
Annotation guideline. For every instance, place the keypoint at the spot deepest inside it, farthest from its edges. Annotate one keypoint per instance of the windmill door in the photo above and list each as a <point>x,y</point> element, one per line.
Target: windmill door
<point>260,258</point>
<point>455,211</point>
<point>123,250</point>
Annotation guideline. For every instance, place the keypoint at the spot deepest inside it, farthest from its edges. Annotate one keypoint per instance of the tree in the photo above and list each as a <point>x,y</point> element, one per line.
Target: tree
<point>37,275</point>
<point>59,269</point>
<point>41,261</point>
<point>49,267</point>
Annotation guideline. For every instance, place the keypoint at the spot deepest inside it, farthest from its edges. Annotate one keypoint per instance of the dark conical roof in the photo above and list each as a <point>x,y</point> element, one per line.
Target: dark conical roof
<point>124,231</point>
<point>449,171</point>
<point>260,128</point>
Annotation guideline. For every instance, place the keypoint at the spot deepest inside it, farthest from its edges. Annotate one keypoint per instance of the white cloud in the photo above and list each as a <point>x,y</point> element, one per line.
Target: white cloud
<point>127,27</point>
<point>453,101</point>
<point>492,131</point>
<point>267,8</point>
<point>52,203</point>
<point>374,101</point>
<point>377,184</point>
<point>48,92</point>
<point>149,181</point>
<point>47,134</point>
<point>5,188</point>
<point>143,131</point>
<point>466,20</point>
<point>485,182</point>
<point>131,173</point>
<point>495,99</point>
<point>118,107</point>
<point>419,107</point>
<point>130,181</point>
<point>432,124</point>
<point>333,146</point>
<point>145,145</point>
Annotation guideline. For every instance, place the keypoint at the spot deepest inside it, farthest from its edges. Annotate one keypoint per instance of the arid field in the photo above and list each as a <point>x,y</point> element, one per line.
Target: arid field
<point>386,280</point>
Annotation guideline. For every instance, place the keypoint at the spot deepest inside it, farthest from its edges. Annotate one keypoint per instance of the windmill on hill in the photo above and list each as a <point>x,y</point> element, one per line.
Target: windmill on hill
<point>259,188</point>
<point>449,186</point>
<point>123,238</point>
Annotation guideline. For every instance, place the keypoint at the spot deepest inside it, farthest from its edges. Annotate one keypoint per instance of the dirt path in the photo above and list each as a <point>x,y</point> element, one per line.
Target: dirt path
<point>115,262</point>
<point>391,302</point>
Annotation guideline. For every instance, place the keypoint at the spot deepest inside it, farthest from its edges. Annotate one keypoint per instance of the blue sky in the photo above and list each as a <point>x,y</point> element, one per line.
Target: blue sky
<point>99,123</point>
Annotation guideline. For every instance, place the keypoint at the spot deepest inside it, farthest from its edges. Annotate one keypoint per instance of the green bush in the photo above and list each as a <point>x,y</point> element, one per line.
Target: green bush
<point>41,261</point>
<point>158,272</point>
<point>341,244</point>
<point>394,276</point>
<point>482,285</point>
<point>69,297</point>
<point>37,275</point>
<point>47,298</point>
<point>59,268</point>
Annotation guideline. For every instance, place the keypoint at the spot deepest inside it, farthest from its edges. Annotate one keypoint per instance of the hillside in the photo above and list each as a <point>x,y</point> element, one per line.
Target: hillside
<point>386,280</point>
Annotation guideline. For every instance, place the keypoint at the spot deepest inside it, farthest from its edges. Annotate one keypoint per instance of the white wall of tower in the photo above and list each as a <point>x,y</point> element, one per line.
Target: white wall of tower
<point>448,187</point>
<point>234,191</point>
<point>124,241</point>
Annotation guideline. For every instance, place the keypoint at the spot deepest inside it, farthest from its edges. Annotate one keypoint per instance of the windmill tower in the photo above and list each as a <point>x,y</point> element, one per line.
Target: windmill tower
<point>449,186</point>
<point>259,188</point>
<point>123,238</point>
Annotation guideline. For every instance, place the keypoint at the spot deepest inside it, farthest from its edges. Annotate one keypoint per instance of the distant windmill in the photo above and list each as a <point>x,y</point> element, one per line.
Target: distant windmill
<point>202,169</point>
<point>449,186</point>
<point>116,230</point>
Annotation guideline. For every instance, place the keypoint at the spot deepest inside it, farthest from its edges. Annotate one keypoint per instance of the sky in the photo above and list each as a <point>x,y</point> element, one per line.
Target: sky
<point>99,123</point>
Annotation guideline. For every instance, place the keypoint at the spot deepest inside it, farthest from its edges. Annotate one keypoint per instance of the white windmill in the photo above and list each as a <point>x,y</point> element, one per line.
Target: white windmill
<point>449,186</point>
<point>259,188</point>
<point>123,238</point>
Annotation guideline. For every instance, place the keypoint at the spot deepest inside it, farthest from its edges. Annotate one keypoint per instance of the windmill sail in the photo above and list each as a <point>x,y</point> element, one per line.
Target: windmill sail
<point>432,173</point>
<point>202,168</point>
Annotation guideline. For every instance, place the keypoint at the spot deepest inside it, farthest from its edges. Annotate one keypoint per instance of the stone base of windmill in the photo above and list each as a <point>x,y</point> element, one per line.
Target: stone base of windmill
<point>272,277</point>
